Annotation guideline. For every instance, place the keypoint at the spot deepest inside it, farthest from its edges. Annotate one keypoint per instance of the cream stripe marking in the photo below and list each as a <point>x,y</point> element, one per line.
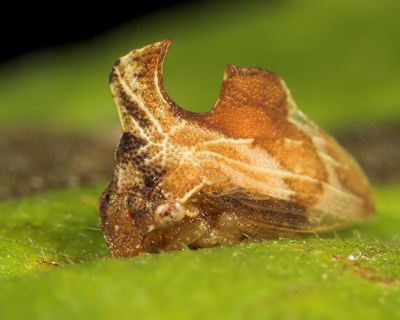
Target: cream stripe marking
<point>164,150</point>
<point>139,129</point>
<point>328,158</point>
<point>292,143</point>
<point>318,140</point>
<point>156,81</point>
<point>191,192</point>
<point>281,193</point>
<point>320,144</point>
<point>177,127</point>
<point>227,141</point>
<point>116,100</point>
<point>139,102</point>
<point>279,173</point>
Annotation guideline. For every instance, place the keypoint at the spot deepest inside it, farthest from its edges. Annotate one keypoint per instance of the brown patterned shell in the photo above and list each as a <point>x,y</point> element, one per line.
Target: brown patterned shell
<point>254,165</point>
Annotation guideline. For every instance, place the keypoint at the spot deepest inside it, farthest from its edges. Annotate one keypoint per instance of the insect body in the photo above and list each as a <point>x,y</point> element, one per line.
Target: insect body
<point>254,166</point>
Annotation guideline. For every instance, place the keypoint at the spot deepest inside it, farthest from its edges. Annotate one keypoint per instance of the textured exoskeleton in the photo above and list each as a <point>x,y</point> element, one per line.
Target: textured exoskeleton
<point>253,167</point>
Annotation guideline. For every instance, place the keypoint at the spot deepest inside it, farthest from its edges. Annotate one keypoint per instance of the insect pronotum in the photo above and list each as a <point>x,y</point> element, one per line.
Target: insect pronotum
<point>253,167</point>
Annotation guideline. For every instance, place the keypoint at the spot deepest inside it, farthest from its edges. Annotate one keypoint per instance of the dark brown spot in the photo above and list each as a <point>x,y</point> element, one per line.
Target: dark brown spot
<point>133,108</point>
<point>127,147</point>
<point>112,76</point>
<point>103,204</point>
<point>116,63</point>
<point>150,181</point>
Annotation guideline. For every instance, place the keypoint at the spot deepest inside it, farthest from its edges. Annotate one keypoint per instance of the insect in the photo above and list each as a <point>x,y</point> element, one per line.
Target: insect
<point>253,167</point>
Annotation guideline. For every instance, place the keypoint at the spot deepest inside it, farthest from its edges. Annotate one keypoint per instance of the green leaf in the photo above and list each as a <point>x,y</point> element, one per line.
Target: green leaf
<point>341,60</point>
<point>48,230</point>
<point>54,263</point>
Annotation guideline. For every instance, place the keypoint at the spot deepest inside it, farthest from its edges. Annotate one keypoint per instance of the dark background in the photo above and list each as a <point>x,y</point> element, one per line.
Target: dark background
<point>25,28</point>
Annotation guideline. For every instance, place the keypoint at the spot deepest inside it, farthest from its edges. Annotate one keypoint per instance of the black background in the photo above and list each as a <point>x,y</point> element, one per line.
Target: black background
<point>28,27</point>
